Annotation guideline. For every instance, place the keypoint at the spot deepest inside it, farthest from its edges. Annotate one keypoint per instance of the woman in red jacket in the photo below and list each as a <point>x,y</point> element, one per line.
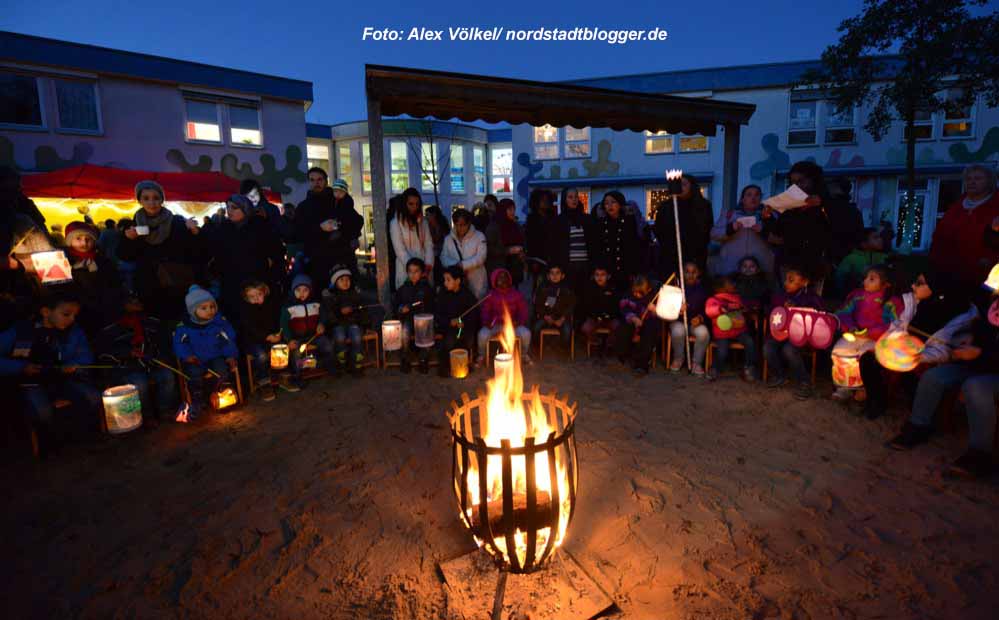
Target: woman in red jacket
<point>966,240</point>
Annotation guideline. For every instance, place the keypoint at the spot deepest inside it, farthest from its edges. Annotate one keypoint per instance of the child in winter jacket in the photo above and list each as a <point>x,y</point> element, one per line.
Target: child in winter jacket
<point>640,328</point>
<point>205,340</point>
<point>726,310</point>
<point>43,356</point>
<point>96,277</point>
<point>343,312</point>
<point>752,285</point>
<point>599,307</point>
<point>783,357</point>
<point>504,298</point>
<point>850,273</point>
<point>554,303</point>
<point>459,332</point>
<point>259,330</point>
<point>300,322</point>
<point>696,297</point>
<point>415,296</point>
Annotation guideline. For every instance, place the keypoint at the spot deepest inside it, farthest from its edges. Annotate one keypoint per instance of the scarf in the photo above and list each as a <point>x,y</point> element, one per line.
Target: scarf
<point>83,260</point>
<point>159,226</point>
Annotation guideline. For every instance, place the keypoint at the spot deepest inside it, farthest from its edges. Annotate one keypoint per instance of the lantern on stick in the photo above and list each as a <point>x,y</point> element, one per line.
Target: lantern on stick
<point>122,409</point>
<point>674,179</point>
<point>52,267</point>
<point>223,398</point>
<point>459,363</point>
<point>279,357</point>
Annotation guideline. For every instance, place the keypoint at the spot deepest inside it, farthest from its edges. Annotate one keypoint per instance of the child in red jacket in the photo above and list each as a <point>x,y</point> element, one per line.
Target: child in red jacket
<point>726,309</point>
<point>504,296</point>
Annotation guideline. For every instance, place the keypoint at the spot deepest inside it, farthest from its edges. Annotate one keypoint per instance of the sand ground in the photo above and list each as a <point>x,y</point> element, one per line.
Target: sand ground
<point>697,500</point>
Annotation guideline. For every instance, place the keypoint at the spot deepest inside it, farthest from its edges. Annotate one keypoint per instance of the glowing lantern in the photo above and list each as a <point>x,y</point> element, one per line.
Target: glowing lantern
<point>279,356</point>
<point>812,327</point>
<point>459,363</point>
<point>122,409</point>
<point>423,326</point>
<point>846,368</point>
<point>898,351</point>
<point>780,320</point>
<point>225,397</point>
<point>669,302</point>
<point>391,335</point>
<point>992,282</point>
<point>731,320</point>
<point>307,362</point>
<point>52,267</point>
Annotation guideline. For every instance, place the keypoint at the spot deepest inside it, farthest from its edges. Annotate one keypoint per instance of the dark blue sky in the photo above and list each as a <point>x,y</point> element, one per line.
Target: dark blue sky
<point>321,41</point>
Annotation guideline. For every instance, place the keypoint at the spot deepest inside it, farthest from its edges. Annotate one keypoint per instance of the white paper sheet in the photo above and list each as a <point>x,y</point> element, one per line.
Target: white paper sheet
<point>792,198</point>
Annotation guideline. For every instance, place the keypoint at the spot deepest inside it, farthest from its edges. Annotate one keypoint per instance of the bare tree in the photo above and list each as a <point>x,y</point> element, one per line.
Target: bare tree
<point>433,167</point>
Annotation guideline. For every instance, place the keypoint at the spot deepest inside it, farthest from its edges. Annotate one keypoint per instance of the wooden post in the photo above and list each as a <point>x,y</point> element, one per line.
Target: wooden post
<point>379,201</point>
<point>730,167</point>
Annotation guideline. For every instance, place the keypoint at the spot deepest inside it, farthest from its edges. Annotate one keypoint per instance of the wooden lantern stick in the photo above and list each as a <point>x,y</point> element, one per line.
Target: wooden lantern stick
<point>683,285</point>
<point>170,368</point>
<point>636,337</point>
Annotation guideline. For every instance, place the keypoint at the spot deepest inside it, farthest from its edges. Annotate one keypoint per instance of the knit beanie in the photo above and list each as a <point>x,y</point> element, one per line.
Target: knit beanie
<point>153,185</point>
<point>74,229</point>
<point>301,280</point>
<point>338,272</point>
<point>195,297</point>
<point>339,184</point>
<point>241,202</point>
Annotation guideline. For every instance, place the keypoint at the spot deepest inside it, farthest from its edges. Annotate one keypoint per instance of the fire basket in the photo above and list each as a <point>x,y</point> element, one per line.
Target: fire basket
<point>515,480</point>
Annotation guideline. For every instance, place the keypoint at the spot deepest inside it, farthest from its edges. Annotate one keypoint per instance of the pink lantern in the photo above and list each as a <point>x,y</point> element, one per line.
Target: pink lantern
<point>780,320</point>
<point>812,328</point>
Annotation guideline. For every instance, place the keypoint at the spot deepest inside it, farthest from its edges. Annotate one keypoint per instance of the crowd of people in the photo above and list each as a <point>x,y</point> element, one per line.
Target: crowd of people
<point>161,297</point>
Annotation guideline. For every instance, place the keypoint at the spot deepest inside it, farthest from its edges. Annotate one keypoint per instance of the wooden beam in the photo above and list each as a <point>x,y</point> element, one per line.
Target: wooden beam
<point>730,166</point>
<point>379,201</point>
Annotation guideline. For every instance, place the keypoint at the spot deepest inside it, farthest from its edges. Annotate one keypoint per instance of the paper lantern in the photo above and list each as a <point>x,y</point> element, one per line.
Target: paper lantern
<point>224,398</point>
<point>992,282</point>
<point>307,362</point>
<point>122,409</point>
<point>423,326</point>
<point>898,351</point>
<point>502,365</point>
<point>730,320</point>
<point>780,320</point>
<point>846,369</point>
<point>812,327</point>
<point>391,335</point>
<point>52,267</point>
<point>668,305</point>
<point>459,363</point>
<point>279,356</point>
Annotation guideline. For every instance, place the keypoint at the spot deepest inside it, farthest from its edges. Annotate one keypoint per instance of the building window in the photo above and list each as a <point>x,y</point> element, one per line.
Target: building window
<point>318,156</point>
<point>20,101</point>
<point>693,144</point>
<point>429,169</point>
<point>368,232</point>
<point>840,125</point>
<point>244,126</point>
<point>457,169</point>
<point>76,102</point>
<point>502,170</point>
<point>545,142</point>
<point>479,168</point>
<point>949,193</point>
<point>801,125</point>
<point>957,121</point>
<point>365,168</point>
<point>202,121</point>
<point>399,168</point>
<point>658,142</point>
<point>921,189</point>
<point>577,142</point>
<point>343,166</point>
<point>923,126</point>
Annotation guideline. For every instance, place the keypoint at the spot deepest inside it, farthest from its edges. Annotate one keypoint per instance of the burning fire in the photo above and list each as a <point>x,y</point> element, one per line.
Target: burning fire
<point>512,417</point>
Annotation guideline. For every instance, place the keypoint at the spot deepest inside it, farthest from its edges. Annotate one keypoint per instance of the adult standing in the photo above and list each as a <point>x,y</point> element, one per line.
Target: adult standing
<point>696,220</point>
<point>439,230</point>
<point>108,240</point>
<point>615,241</point>
<point>261,207</point>
<point>411,238</point>
<point>846,224</point>
<point>505,242</point>
<point>803,233</point>
<point>467,248</point>
<point>571,238</point>
<point>966,240</point>
<point>538,235</point>
<point>740,237</point>
<point>327,227</point>
<point>167,250</point>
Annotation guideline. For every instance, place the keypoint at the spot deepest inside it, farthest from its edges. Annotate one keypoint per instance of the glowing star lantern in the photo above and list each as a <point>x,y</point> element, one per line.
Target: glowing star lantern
<point>674,179</point>
<point>992,282</point>
<point>780,319</point>
<point>898,351</point>
<point>224,398</point>
<point>279,356</point>
<point>122,409</point>
<point>669,302</point>
<point>459,363</point>
<point>423,326</point>
<point>391,335</point>
<point>52,267</point>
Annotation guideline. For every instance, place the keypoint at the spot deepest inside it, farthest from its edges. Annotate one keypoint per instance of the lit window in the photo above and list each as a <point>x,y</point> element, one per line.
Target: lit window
<point>318,156</point>
<point>77,105</point>
<point>343,167</point>
<point>479,168</point>
<point>20,103</point>
<point>840,124</point>
<point>922,126</point>
<point>365,168</point>
<point>801,125</point>
<point>244,126</point>
<point>577,142</point>
<point>202,121</point>
<point>658,142</point>
<point>693,144</point>
<point>399,171</point>
<point>957,119</point>
<point>545,142</point>
<point>457,169</point>
<point>502,170</point>
<point>921,193</point>
<point>429,173</point>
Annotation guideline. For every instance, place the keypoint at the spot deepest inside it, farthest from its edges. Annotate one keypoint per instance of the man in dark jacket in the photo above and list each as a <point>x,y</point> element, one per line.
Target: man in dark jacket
<point>327,227</point>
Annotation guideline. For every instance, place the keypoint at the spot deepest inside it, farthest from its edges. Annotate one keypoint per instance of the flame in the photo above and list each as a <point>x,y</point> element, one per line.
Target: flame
<point>511,416</point>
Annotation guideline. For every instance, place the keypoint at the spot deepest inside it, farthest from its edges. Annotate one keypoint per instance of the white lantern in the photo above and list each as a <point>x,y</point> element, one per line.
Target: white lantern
<point>52,267</point>
<point>122,409</point>
<point>502,365</point>
<point>423,326</point>
<point>668,305</point>
<point>391,335</point>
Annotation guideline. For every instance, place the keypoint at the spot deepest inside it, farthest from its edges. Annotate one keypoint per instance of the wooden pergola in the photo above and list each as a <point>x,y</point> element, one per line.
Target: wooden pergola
<point>395,91</point>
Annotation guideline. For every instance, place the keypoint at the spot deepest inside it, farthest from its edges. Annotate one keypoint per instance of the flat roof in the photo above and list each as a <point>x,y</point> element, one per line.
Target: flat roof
<point>23,48</point>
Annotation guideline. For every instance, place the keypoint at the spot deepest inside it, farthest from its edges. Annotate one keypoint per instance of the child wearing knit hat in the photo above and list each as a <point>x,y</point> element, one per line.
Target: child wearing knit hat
<point>205,341</point>
<point>342,311</point>
<point>301,323</point>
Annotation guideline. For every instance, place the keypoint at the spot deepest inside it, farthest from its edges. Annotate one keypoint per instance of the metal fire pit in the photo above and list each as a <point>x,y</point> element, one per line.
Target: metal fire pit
<point>529,512</point>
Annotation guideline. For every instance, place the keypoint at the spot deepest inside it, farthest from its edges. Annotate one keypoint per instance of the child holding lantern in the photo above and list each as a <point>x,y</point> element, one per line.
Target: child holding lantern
<point>259,330</point>
<point>639,331</point>
<point>204,341</point>
<point>726,310</point>
<point>696,295</point>
<point>454,300</point>
<point>343,311</point>
<point>415,296</point>
<point>784,357</point>
<point>301,323</point>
